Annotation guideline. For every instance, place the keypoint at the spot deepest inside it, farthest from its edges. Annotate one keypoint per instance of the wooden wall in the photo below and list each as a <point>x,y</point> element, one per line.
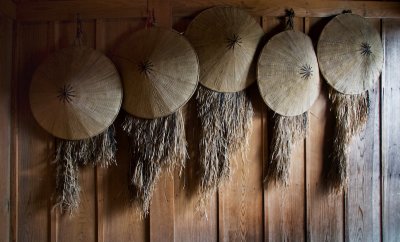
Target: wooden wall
<point>244,209</point>
<point>6,34</point>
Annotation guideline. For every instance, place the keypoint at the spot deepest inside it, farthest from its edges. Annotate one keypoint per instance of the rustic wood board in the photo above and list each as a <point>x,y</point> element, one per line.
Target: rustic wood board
<point>62,10</point>
<point>81,226</point>
<point>34,176</point>
<point>284,206</point>
<point>324,210</point>
<point>6,46</point>
<point>192,223</point>
<point>240,203</point>
<point>391,132</point>
<point>120,220</point>
<point>363,195</point>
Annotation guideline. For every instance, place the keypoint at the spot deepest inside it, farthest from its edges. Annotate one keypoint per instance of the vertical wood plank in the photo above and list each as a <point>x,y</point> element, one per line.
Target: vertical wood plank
<point>81,226</point>
<point>52,36</point>
<point>391,131</point>
<point>33,143</point>
<point>324,210</point>
<point>240,198</point>
<point>162,209</point>
<point>191,224</point>
<point>362,199</point>
<point>14,137</point>
<point>120,221</point>
<point>99,171</point>
<point>285,206</point>
<point>6,45</point>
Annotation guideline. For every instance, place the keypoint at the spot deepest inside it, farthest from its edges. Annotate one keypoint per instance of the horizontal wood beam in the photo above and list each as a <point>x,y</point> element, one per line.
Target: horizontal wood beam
<point>67,10</point>
<point>8,8</point>
<point>302,8</point>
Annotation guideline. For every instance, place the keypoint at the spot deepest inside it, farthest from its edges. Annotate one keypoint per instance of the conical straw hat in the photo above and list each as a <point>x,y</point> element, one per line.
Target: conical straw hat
<point>287,73</point>
<point>350,54</point>
<point>225,39</point>
<point>76,93</point>
<point>160,72</point>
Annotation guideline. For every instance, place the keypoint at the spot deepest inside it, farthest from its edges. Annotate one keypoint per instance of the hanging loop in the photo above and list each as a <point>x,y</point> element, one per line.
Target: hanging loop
<point>150,19</point>
<point>79,31</point>
<point>290,16</point>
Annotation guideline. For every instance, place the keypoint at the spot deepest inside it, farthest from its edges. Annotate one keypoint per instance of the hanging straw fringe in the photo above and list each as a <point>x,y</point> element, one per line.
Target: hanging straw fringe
<point>351,115</point>
<point>287,132</point>
<point>154,144</point>
<point>70,154</point>
<point>226,119</point>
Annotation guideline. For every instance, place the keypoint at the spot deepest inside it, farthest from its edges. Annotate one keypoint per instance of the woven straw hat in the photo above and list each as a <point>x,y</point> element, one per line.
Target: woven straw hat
<point>287,73</point>
<point>226,39</point>
<point>160,72</point>
<point>350,54</point>
<point>76,93</point>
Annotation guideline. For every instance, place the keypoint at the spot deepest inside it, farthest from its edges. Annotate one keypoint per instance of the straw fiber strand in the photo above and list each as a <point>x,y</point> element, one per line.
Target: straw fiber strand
<point>351,115</point>
<point>155,144</point>
<point>226,120</point>
<point>76,93</point>
<point>226,40</point>
<point>159,70</point>
<point>350,54</point>
<point>287,132</point>
<point>70,155</point>
<point>287,73</point>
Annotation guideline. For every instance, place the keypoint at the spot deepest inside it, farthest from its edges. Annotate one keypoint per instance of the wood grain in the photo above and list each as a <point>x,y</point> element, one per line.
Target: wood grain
<point>35,178</point>
<point>285,206</point>
<point>162,209</point>
<point>362,198</point>
<point>391,132</point>
<point>191,224</point>
<point>6,45</point>
<point>8,8</point>
<point>240,203</point>
<point>324,211</point>
<point>81,226</point>
<point>304,212</point>
<point>66,10</point>
<point>120,220</point>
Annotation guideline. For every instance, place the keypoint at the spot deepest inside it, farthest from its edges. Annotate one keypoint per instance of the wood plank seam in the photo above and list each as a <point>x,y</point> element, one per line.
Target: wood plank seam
<point>8,8</point>
<point>382,130</point>
<point>14,138</point>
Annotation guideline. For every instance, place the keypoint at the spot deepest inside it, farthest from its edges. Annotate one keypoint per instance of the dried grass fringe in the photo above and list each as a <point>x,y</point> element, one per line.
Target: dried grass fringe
<point>154,144</point>
<point>226,119</point>
<point>287,132</point>
<point>351,115</point>
<point>70,154</point>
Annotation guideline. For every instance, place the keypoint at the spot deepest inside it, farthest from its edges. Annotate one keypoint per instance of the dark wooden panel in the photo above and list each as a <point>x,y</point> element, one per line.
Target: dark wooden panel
<point>285,206</point>
<point>64,10</point>
<point>6,34</point>
<point>34,176</point>
<point>324,211</point>
<point>240,198</point>
<point>120,220</point>
<point>8,8</point>
<point>191,222</point>
<point>162,209</point>
<point>391,132</point>
<point>362,199</point>
<point>81,225</point>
